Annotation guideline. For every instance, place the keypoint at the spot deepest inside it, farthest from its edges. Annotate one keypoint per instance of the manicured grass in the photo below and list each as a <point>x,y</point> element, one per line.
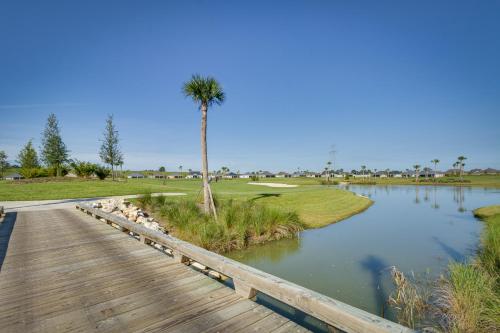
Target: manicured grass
<point>316,205</point>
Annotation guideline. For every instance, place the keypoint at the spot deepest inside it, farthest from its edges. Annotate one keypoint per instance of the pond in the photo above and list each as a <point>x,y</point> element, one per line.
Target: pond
<point>418,229</point>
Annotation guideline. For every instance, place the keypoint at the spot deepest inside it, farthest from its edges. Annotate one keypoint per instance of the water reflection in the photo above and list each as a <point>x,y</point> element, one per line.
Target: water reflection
<point>272,251</point>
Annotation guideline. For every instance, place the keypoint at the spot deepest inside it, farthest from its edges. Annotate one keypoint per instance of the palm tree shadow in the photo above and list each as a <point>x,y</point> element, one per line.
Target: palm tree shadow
<point>6,228</point>
<point>266,195</point>
<point>454,254</point>
<point>376,267</point>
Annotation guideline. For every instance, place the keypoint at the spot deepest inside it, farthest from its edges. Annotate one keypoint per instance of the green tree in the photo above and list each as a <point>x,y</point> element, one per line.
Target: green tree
<point>435,162</point>
<point>204,91</point>
<point>110,150</point>
<point>3,163</point>
<point>28,159</point>
<point>54,152</point>
<point>161,169</point>
<point>461,165</point>
<point>416,167</point>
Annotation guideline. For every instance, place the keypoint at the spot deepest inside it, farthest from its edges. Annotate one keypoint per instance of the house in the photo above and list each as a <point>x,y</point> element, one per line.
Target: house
<point>283,174</point>
<point>436,174</point>
<point>194,175</point>
<point>13,176</point>
<point>135,176</point>
<point>230,175</point>
<point>298,174</point>
<point>245,175</point>
<point>174,175</point>
<point>313,175</point>
<point>360,175</point>
<point>490,171</point>
<point>266,174</point>
<point>380,174</point>
<point>157,176</point>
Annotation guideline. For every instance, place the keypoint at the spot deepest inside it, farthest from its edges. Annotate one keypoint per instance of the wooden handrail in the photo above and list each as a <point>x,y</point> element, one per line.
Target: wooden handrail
<point>248,280</point>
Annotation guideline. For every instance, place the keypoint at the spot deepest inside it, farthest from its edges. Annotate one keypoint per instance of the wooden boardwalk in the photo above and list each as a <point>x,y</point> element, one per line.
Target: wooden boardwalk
<point>65,271</point>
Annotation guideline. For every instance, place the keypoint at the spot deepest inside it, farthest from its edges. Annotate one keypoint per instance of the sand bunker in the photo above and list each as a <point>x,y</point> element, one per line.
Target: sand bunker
<point>273,184</point>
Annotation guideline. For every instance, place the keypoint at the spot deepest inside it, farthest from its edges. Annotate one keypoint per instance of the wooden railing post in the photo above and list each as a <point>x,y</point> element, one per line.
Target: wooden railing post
<point>243,289</point>
<point>144,240</point>
<point>179,257</point>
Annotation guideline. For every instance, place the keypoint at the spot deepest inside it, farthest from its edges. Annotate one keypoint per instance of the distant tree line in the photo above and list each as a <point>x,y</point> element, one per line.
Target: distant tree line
<point>54,160</point>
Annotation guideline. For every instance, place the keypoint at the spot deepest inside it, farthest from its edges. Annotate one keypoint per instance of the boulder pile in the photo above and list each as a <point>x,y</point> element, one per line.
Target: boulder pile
<point>127,210</point>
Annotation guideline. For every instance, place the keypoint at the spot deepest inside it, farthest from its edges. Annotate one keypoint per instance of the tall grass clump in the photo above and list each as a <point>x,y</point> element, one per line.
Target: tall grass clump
<point>410,300</point>
<point>239,223</point>
<point>467,300</point>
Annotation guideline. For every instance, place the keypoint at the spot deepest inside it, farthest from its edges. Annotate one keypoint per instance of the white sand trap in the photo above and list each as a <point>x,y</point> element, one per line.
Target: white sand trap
<point>273,184</point>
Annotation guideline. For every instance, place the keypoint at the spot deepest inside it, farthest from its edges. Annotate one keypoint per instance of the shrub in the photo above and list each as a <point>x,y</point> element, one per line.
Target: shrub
<point>239,224</point>
<point>33,172</point>
<point>83,169</point>
<point>329,182</point>
<point>102,172</point>
<point>254,178</point>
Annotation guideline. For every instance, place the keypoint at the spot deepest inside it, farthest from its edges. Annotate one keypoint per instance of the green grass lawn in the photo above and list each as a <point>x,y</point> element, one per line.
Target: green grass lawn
<point>316,205</point>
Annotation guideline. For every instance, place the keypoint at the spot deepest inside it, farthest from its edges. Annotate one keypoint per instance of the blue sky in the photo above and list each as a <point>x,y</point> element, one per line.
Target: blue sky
<point>389,83</point>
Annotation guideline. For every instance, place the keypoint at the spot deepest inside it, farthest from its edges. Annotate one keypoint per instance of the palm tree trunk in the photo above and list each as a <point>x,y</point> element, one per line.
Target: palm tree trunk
<point>204,159</point>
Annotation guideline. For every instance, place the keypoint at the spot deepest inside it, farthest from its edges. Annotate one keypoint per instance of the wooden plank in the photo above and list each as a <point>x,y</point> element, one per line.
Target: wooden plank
<point>332,312</point>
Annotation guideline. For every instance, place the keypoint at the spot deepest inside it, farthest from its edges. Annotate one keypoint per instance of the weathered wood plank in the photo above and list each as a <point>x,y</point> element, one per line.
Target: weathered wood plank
<point>332,312</point>
<point>68,272</point>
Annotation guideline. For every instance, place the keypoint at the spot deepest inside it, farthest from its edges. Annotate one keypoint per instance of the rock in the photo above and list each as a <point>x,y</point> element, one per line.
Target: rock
<point>96,205</point>
<point>198,266</point>
<point>214,275</point>
<point>141,219</point>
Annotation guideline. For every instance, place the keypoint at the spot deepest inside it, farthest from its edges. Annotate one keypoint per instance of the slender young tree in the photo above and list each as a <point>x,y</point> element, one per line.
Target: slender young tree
<point>417,170</point>
<point>180,169</point>
<point>28,159</point>
<point>204,91</point>
<point>3,163</point>
<point>110,150</point>
<point>54,151</point>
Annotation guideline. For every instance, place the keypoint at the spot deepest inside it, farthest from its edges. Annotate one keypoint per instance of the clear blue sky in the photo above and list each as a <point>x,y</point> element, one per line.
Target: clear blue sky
<point>390,83</point>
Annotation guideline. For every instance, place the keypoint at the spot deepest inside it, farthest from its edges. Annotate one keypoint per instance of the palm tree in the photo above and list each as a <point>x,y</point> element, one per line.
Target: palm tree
<point>327,169</point>
<point>455,167</point>
<point>461,165</point>
<point>205,91</point>
<point>435,162</point>
<point>417,170</point>
<point>180,170</point>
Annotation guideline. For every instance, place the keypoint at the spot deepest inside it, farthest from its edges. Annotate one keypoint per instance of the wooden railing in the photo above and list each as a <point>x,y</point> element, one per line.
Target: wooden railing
<point>1,211</point>
<point>248,280</point>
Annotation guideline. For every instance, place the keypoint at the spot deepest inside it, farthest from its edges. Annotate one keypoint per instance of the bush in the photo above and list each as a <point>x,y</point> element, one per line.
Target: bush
<point>239,224</point>
<point>33,172</point>
<point>83,169</point>
<point>254,178</point>
<point>102,172</point>
<point>329,182</point>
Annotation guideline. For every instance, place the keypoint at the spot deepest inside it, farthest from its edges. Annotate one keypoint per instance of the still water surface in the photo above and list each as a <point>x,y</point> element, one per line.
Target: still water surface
<point>418,229</point>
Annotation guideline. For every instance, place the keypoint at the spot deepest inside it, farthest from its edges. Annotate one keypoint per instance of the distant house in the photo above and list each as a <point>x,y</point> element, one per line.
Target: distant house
<point>475,172</point>
<point>313,175</point>
<point>13,176</point>
<point>194,175</point>
<point>436,174</point>
<point>245,175</point>
<point>230,175</point>
<point>283,174</point>
<point>174,175</point>
<point>157,176</point>
<point>266,174</point>
<point>135,176</point>
<point>380,174</point>
<point>298,174</point>
<point>490,171</point>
